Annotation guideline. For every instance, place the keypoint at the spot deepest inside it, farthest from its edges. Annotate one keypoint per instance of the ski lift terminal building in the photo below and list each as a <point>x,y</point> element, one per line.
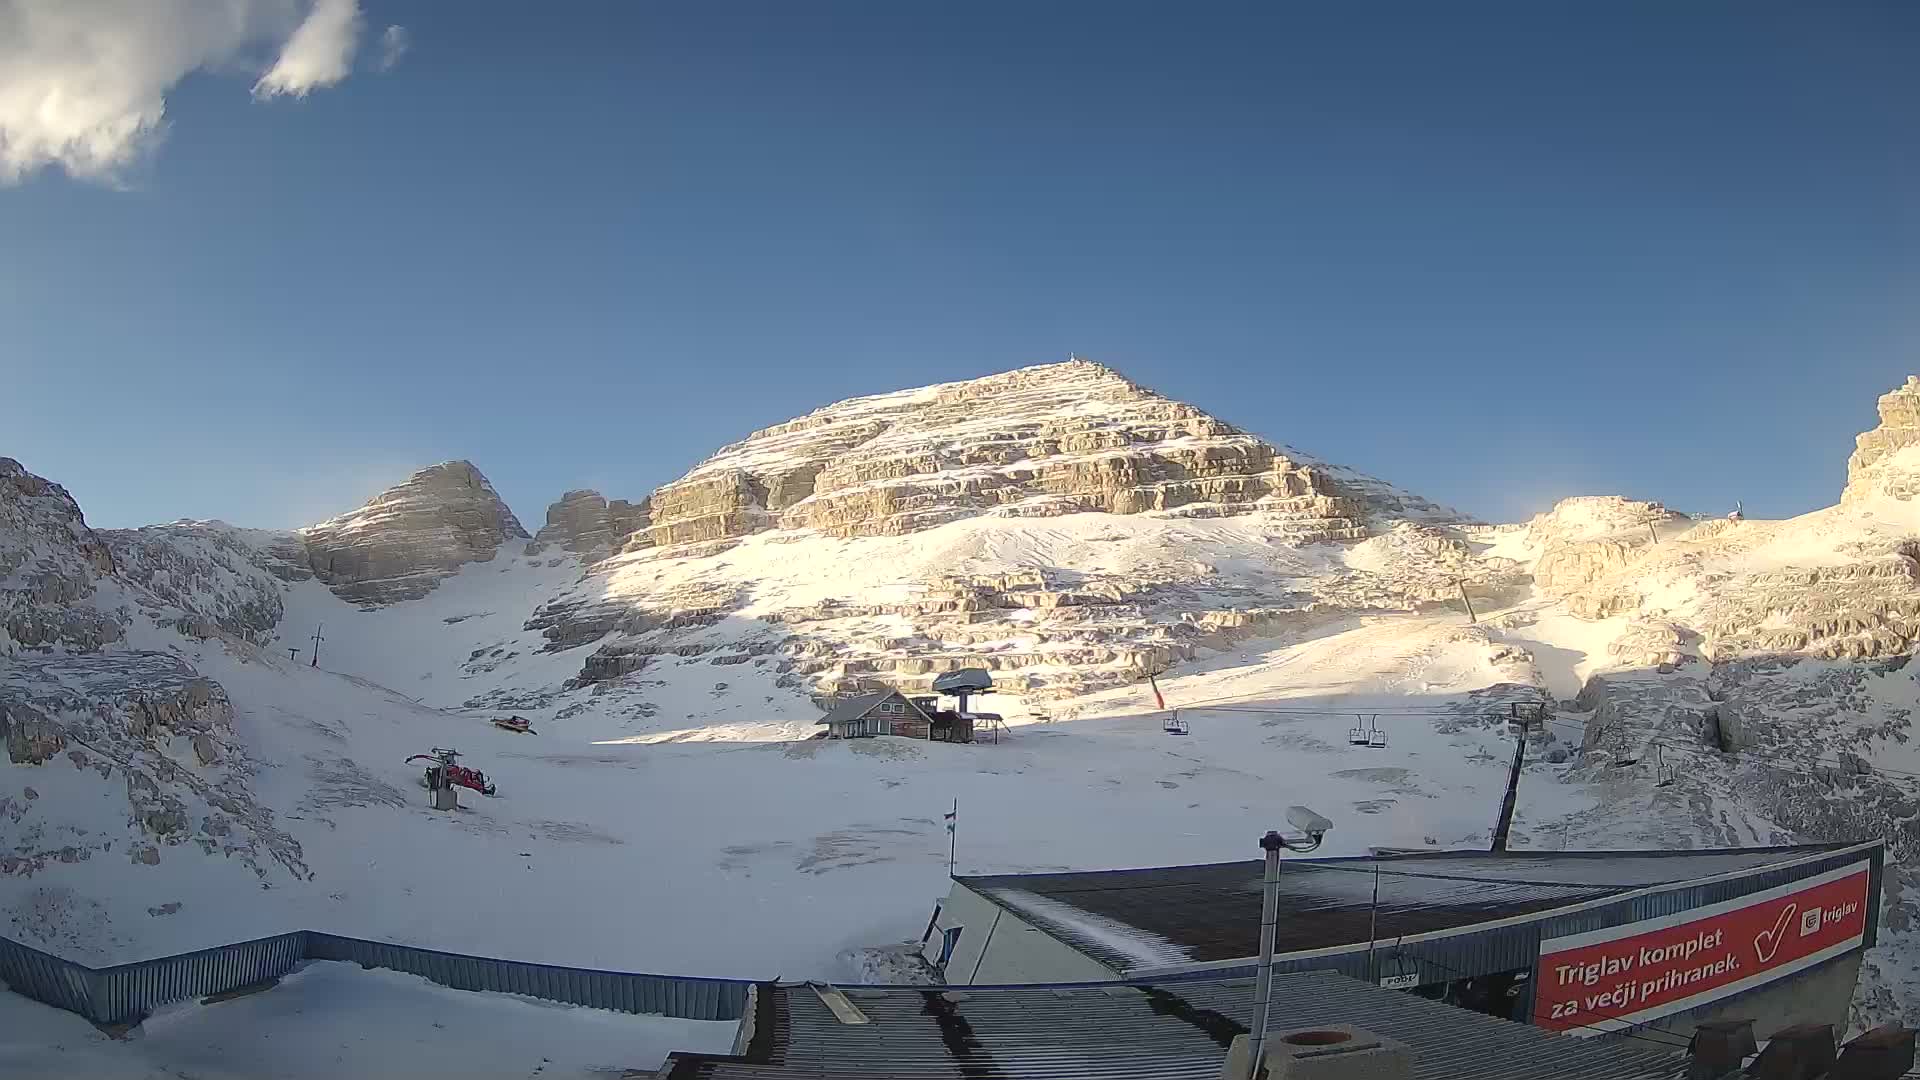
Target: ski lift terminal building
<point>1580,942</point>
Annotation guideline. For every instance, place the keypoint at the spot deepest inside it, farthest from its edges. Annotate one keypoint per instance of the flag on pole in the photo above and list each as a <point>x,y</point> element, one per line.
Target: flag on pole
<point>952,814</point>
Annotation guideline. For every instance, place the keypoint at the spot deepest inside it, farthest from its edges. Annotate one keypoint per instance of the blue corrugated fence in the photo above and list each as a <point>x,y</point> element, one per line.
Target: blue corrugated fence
<point>129,992</point>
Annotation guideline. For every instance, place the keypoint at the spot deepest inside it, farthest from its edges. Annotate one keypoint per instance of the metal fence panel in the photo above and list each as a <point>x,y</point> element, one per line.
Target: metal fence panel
<point>128,992</point>
<point>687,997</point>
<point>46,978</point>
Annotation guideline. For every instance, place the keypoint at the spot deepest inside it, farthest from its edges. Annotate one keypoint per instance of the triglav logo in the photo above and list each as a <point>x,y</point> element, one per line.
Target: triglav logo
<point>1809,922</point>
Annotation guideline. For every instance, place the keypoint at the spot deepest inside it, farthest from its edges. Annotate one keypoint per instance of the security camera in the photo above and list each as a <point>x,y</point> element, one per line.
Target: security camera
<point>1308,822</point>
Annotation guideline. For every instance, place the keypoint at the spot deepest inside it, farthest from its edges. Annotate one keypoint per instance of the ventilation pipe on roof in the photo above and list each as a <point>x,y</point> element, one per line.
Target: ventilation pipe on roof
<point>1800,1052</point>
<point>1719,1047</point>
<point>1334,1052</point>
<point>1881,1054</point>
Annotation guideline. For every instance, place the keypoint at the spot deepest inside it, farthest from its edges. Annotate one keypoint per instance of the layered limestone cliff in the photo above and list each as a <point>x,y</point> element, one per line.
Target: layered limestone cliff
<point>585,523</point>
<point>407,539</point>
<point>1883,461</point>
<point>972,460</point>
<point>1036,442</point>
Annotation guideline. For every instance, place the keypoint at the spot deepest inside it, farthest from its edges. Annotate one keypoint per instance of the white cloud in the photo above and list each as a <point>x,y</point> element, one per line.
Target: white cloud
<point>320,52</point>
<point>393,45</point>
<point>84,83</point>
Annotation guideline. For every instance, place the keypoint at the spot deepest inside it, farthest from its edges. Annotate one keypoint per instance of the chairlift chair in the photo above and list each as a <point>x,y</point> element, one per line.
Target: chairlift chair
<point>1377,736</point>
<point>1175,725</point>
<point>1663,774</point>
<point>1359,736</point>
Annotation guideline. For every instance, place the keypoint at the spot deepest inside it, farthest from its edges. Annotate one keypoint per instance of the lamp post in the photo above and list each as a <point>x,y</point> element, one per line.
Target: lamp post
<point>1315,829</point>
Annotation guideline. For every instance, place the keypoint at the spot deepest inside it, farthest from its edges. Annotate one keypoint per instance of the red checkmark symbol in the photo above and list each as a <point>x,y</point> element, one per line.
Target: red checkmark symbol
<point>1768,941</point>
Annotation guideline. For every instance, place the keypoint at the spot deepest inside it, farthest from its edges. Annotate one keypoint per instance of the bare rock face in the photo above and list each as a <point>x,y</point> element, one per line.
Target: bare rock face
<point>1588,544</point>
<point>204,577</point>
<point>585,523</point>
<point>153,730</point>
<point>51,567</point>
<point>1039,442</point>
<point>404,541</point>
<point>1852,611</point>
<point>1036,442</point>
<point>1882,463</point>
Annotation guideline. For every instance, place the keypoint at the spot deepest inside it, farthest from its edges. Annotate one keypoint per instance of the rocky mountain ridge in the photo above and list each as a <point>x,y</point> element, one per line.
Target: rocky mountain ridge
<point>1059,526</point>
<point>1041,441</point>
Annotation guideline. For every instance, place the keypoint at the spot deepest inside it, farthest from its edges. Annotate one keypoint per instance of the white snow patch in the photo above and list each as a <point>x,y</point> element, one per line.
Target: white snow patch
<point>1140,946</point>
<point>328,1020</point>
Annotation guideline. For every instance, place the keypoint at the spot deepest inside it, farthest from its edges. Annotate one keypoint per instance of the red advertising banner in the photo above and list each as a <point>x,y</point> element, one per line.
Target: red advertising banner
<point>1613,978</point>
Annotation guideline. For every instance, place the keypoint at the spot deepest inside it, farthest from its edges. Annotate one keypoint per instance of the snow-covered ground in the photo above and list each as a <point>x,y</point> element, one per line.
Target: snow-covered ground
<point>672,815</point>
<point>742,857</point>
<point>329,1020</point>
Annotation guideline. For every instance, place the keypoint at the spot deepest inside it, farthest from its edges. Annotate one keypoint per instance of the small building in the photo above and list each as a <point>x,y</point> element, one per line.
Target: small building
<point>885,713</point>
<point>1179,1030</point>
<point>1682,936</point>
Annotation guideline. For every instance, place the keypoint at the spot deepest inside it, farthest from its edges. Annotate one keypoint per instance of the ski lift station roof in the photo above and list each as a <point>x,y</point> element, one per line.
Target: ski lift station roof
<point>972,680</point>
<point>1177,1031</point>
<point>1437,916</point>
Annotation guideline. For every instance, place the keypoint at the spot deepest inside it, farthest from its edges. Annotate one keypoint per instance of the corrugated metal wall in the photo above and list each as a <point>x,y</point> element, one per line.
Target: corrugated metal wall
<point>668,995</point>
<point>129,992</point>
<point>45,977</point>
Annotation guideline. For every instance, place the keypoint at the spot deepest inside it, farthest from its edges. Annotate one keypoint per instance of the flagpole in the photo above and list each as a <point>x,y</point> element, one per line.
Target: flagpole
<point>953,822</point>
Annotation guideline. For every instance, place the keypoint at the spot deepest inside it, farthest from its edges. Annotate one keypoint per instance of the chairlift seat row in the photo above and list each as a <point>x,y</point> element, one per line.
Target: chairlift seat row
<point>1373,735</point>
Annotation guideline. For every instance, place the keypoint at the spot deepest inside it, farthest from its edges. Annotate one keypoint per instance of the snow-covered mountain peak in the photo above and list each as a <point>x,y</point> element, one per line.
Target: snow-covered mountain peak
<point>1035,442</point>
<point>403,541</point>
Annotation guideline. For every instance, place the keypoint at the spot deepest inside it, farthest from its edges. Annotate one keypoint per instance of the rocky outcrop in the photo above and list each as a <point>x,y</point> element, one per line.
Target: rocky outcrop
<point>1850,611</point>
<point>586,523</point>
<point>1882,463</point>
<point>52,567</point>
<point>203,578</point>
<point>1036,442</point>
<point>152,730</point>
<point>1586,545</point>
<point>404,541</point>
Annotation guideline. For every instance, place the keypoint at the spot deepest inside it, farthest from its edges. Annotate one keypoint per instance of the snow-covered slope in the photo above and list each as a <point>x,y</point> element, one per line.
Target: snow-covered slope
<point>1057,525</point>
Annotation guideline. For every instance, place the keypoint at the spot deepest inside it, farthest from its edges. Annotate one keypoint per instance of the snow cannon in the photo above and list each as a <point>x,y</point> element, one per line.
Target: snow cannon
<point>445,775</point>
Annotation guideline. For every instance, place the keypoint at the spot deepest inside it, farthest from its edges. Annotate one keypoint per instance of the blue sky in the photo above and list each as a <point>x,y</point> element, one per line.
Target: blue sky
<point>1495,253</point>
